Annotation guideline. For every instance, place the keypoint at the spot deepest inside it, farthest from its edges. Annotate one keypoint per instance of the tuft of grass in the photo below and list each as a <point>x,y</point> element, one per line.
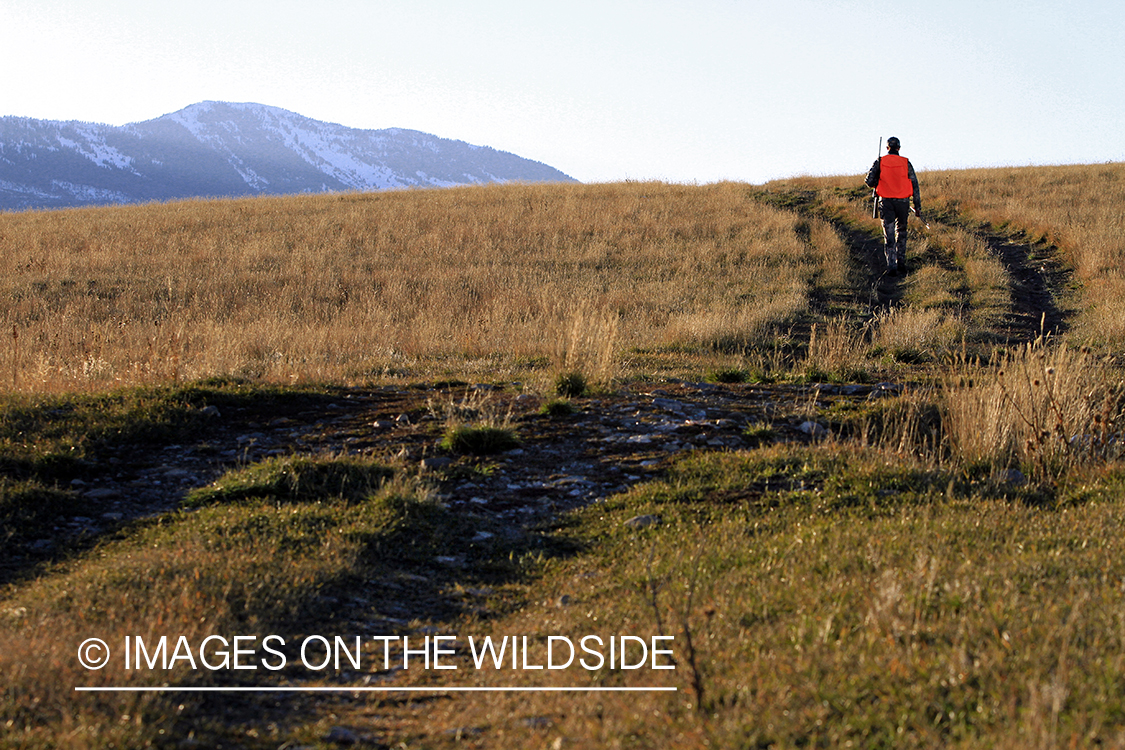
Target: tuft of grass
<point>758,435</point>
<point>558,407</point>
<point>728,375</point>
<point>571,385</point>
<point>475,424</point>
<point>909,355</point>
<point>478,440</point>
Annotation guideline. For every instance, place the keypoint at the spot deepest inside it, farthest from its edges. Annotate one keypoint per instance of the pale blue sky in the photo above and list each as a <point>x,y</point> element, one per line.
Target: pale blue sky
<point>692,91</point>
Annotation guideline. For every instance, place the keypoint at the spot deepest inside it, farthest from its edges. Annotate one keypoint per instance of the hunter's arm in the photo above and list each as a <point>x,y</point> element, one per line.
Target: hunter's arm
<point>917,191</point>
<point>872,178</point>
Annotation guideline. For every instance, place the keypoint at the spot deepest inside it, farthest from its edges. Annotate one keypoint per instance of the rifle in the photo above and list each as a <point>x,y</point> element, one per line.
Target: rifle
<point>874,196</point>
<point>915,212</point>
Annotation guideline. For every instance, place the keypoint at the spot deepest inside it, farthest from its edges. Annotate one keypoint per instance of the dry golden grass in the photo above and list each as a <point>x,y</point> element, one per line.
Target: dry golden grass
<point>499,279</point>
<point>1077,208</point>
<point>1053,410</point>
<point>341,287</point>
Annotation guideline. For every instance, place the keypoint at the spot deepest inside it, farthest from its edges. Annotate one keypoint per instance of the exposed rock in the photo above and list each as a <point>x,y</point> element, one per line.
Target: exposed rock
<point>342,736</point>
<point>814,430</point>
<point>641,522</point>
<point>537,722</point>
<point>102,493</point>
<point>668,405</point>
<point>1014,478</point>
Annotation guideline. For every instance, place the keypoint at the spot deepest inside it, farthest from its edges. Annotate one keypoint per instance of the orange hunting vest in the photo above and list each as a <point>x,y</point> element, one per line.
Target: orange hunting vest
<point>894,180</point>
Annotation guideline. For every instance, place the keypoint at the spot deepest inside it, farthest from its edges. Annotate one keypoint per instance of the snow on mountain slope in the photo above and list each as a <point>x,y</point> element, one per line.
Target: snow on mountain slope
<point>225,149</point>
<point>356,159</point>
<point>93,146</point>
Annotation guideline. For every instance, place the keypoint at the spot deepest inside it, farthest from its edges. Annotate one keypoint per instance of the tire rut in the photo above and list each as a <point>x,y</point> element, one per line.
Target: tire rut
<point>1037,279</point>
<point>1036,275</point>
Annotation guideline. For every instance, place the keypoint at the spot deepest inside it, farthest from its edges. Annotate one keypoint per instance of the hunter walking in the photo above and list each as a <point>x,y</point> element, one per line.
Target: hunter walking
<point>892,176</point>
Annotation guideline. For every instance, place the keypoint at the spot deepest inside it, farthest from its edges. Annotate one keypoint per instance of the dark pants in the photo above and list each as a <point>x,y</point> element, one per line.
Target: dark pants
<point>894,212</point>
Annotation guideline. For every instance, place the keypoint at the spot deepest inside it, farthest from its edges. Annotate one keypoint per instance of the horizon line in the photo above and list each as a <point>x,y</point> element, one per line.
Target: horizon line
<point>455,689</point>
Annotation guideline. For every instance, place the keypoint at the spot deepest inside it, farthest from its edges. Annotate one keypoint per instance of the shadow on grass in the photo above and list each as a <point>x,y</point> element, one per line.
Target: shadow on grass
<point>413,564</point>
<point>407,544</point>
<point>48,442</point>
<point>340,546</point>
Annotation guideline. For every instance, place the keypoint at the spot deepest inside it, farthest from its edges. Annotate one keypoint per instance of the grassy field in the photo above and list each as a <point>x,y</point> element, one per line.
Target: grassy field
<point>941,568</point>
<point>408,285</point>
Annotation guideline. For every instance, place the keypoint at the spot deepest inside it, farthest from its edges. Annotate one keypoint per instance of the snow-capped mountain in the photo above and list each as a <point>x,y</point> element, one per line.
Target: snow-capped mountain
<point>224,149</point>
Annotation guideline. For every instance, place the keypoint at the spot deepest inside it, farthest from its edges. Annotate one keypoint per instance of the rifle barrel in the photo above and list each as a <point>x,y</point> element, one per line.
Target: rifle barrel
<point>874,190</point>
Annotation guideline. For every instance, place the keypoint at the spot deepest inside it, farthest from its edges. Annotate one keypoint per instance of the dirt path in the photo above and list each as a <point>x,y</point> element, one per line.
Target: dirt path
<point>1037,280</point>
<point>611,442</point>
<point>1036,274</point>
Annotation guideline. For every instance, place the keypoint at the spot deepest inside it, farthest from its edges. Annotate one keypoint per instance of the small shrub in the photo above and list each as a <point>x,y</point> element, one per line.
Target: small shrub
<point>855,375</point>
<point>909,355</point>
<point>728,375</point>
<point>759,375</point>
<point>815,375</point>
<point>571,385</point>
<point>478,440</point>
<point>758,435</point>
<point>558,408</point>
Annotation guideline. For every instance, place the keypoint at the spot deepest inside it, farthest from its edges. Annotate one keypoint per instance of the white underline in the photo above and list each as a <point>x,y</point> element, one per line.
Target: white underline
<point>375,689</point>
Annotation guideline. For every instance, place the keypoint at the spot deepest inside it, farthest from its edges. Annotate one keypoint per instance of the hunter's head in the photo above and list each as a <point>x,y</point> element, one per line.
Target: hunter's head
<point>893,145</point>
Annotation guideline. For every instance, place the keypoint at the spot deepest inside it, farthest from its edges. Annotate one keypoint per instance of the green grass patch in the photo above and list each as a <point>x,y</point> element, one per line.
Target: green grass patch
<point>728,375</point>
<point>758,435</point>
<point>295,479</point>
<point>59,437</point>
<point>30,510</point>
<point>558,407</point>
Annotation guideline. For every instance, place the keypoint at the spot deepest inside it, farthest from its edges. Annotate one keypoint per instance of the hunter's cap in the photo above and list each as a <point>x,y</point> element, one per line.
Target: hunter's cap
<point>892,142</point>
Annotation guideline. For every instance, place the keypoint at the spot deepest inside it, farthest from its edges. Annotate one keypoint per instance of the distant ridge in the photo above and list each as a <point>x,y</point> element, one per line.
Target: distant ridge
<point>220,149</point>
